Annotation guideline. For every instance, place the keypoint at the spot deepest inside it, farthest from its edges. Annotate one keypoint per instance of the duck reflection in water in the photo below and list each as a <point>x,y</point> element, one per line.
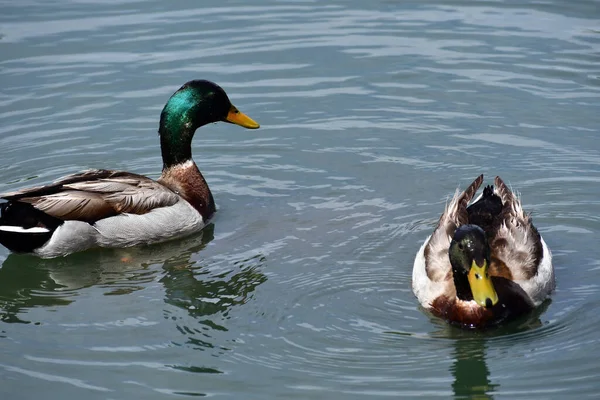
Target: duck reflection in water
<point>469,369</point>
<point>27,281</point>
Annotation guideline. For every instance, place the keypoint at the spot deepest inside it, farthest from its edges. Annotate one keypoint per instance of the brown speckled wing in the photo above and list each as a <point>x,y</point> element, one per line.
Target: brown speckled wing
<point>461,216</point>
<point>515,242</point>
<point>96,194</point>
<point>436,252</point>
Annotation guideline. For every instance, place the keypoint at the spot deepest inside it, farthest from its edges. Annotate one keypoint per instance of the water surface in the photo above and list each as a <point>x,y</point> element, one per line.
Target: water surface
<point>372,115</point>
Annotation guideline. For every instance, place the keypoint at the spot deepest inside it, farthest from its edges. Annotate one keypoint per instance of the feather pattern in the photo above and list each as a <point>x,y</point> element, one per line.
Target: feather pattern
<point>96,194</point>
<point>518,252</point>
<point>436,252</point>
<point>97,208</point>
<point>124,230</point>
<point>516,241</point>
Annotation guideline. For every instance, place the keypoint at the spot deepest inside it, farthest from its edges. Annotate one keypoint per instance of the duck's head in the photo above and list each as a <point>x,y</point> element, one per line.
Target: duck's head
<point>470,258</point>
<point>195,104</point>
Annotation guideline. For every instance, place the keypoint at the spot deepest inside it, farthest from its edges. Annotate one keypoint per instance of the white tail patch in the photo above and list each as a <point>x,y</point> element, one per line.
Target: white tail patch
<point>20,229</point>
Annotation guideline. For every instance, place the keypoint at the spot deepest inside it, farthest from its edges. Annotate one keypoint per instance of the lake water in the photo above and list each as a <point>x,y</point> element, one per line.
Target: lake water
<point>372,114</point>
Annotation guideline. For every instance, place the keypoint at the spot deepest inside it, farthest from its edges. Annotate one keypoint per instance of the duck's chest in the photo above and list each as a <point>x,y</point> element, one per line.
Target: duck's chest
<point>187,181</point>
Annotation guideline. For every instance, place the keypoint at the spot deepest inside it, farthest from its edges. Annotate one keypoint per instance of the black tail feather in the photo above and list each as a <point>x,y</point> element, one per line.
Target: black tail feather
<point>486,209</point>
<point>25,216</point>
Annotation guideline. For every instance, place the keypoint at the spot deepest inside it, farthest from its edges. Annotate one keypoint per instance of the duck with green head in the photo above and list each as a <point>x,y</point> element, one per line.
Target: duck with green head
<point>107,208</point>
<point>485,263</point>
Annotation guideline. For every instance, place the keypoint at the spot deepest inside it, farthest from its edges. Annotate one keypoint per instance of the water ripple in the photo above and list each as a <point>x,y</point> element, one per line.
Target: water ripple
<point>371,115</point>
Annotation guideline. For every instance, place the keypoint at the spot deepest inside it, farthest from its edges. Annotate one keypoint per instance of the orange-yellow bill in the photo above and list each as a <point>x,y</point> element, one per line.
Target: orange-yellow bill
<point>237,117</point>
<point>482,288</point>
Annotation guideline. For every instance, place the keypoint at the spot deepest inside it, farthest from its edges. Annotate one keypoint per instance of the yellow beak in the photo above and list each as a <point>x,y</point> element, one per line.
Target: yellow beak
<point>482,288</point>
<point>237,117</point>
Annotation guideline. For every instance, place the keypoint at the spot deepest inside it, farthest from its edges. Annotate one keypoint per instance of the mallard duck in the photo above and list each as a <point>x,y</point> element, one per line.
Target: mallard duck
<point>104,208</point>
<point>485,262</point>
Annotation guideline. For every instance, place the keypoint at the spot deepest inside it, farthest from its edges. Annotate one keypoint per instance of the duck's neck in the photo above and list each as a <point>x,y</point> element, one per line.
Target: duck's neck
<point>176,147</point>
<point>180,118</point>
<point>461,283</point>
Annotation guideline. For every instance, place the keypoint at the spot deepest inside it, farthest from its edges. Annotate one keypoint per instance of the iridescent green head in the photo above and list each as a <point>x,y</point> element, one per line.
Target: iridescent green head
<point>195,104</point>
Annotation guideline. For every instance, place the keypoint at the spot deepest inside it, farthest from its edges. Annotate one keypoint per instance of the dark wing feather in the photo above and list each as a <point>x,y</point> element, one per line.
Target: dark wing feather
<point>96,194</point>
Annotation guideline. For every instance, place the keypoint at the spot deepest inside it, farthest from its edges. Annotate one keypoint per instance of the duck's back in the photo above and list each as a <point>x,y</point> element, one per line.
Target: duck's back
<point>519,253</point>
<point>486,212</point>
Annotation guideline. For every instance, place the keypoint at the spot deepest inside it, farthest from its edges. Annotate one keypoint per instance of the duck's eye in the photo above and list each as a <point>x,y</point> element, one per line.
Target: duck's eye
<point>460,246</point>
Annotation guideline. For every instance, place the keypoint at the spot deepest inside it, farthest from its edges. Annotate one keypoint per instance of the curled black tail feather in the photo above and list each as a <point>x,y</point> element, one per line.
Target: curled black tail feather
<point>486,210</point>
